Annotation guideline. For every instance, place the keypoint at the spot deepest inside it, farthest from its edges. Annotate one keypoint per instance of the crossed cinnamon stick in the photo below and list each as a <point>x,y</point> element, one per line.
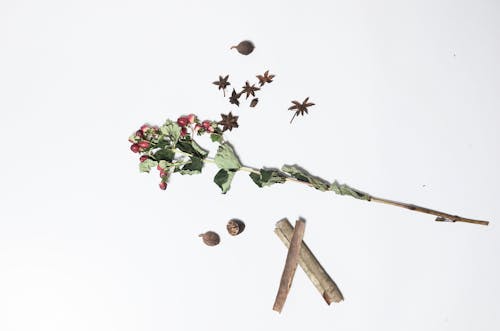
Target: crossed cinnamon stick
<point>299,253</point>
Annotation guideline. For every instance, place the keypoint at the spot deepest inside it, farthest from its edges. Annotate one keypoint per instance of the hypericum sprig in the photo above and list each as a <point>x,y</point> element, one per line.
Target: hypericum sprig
<point>172,148</point>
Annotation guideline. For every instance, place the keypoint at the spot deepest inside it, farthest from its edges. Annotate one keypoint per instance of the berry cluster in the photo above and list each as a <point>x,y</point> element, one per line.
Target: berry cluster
<point>141,140</point>
<point>149,140</point>
<point>191,122</point>
<point>148,136</point>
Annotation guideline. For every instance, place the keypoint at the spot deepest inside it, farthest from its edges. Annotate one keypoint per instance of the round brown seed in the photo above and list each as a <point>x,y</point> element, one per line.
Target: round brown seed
<point>235,227</point>
<point>210,238</point>
<point>245,47</point>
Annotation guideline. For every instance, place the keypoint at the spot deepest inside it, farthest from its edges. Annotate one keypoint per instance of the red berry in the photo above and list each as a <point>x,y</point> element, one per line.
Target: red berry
<point>163,173</point>
<point>191,118</point>
<point>135,148</point>
<point>163,185</point>
<point>206,124</point>
<point>182,121</point>
<point>210,129</point>
<point>139,133</point>
<point>159,168</point>
<point>143,158</point>
<point>144,144</point>
<point>184,132</point>
<point>144,127</point>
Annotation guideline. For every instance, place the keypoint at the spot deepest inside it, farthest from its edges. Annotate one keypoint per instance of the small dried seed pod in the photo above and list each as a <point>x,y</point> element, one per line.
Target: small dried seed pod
<point>210,238</point>
<point>245,47</point>
<point>254,102</point>
<point>235,227</point>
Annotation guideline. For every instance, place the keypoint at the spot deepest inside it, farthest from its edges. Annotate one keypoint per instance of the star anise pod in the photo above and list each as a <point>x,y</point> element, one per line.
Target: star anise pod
<point>249,90</point>
<point>229,121</point>
<point>300,108</point>
<point>266,78</point>
<point>222,83</point>
<point>234,98</point>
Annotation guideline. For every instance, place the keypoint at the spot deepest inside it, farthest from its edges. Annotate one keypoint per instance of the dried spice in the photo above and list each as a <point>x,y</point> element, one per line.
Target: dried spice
<point>233,99</point>
<point>292,260</point>
<point>245,47</point>
<point>310,264</point>
<point>222,83</point>
<point>249,89</point>
<point>235,227</point>
<point>210,238</point>
<point>266,78</point>
<point>300,108</point>
<point>229,122</point>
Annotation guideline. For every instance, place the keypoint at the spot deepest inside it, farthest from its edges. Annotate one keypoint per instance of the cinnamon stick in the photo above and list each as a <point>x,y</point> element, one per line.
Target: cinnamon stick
<point>292,259</point>
<point>310,264</point>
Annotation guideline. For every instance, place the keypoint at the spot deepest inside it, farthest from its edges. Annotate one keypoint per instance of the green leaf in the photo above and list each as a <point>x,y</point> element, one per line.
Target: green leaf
<point>323,185</point>
<point>216,137</point>
<point>267,177</point>
<point>172,130</point>
<point>164,154</point>
<point>226,158</point>
<point>147,165</point>
<point>302,175</point>
<point>223,179</point>
<point>163,143</point>
<point>190,146</point>
<point>194,167</point>
<point>344,189</point>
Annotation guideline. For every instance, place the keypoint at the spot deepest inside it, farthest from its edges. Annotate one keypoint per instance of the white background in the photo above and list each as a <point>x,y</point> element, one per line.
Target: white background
<point>407,107</point>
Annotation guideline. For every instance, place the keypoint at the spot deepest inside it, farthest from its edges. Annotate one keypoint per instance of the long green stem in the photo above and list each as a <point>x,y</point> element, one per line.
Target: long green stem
<point>441,216</point>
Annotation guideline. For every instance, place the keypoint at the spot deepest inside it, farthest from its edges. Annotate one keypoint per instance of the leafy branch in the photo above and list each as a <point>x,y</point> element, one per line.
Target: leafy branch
<point>171,148</point>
